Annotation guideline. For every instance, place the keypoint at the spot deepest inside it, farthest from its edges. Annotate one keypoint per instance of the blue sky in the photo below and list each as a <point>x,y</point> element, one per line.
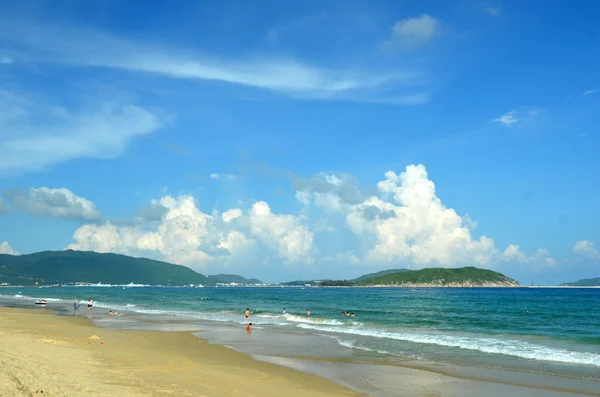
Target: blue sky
<point>286,140</point>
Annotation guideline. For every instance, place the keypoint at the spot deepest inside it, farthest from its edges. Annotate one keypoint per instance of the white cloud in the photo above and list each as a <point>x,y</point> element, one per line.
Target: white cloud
<point>231,214</point>
<point>293,240</point>
<point>508,118</point>
<point>188,236</point>
<point>88,48</point>
<point>590,92</point>
<point>413,32</point>
<point>178,238</point>
<point>407,223</point>
<point>586,247</point>
<point>303,196</point>
<point>522,116</point>
<point>217,177</point>
<point>404,223</point>
<point>38,134</point>
<point>57,203</point>
<point>5,248</point>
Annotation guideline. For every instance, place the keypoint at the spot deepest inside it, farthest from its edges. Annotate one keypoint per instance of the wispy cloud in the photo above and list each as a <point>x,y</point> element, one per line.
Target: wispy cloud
<point>590,92</point>
<point>494,11</point>
<point>37,134</point>
<point>413,32</point>
<point>508,118</point>
<point>521,116</point>
<point>218,177</point>
<point>89,48</point>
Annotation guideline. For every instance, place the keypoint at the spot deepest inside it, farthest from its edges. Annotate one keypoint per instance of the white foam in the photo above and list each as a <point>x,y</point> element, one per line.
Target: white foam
<point>509,347</point>
<point>314,320</point>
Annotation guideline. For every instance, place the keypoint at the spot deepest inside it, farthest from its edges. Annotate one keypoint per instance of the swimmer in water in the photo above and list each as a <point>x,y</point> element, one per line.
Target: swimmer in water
<point>249,327</point>
<point>308,312</point>
<point>352,315</point>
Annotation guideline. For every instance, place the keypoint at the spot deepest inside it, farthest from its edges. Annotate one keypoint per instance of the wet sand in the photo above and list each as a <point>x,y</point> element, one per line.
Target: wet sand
<point>45,354</point>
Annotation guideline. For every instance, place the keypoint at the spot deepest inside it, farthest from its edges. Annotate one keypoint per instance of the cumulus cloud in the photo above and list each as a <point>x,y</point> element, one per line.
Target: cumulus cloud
<point>186,235</point>
<point>222,177</point>
<point>586,247</point>
<point>413,32</point>
<point>56,203</point>
<point>293,240</point>
<point>231,214</point>
<point>38,133</point>
<point>401,223</point>
<point>5,248</point>
<point>330,191</point>
<point>408,223</point>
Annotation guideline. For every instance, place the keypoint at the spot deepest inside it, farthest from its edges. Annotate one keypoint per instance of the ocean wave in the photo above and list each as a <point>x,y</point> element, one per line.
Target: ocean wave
<point>315,320</point>
<point>487,345</point>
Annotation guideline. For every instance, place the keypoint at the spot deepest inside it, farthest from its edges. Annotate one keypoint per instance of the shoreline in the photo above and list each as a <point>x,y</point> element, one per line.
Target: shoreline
<point>59,355</point>
<point>368,373</point>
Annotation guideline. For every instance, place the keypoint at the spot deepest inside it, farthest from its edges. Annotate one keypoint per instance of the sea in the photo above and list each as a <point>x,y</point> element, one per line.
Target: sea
<point>544,341</point>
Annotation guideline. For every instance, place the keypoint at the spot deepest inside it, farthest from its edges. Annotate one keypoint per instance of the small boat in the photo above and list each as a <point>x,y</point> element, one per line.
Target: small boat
<point>42,302</point>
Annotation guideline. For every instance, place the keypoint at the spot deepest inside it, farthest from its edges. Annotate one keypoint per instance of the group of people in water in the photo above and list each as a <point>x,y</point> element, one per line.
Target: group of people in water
<point>76,304</point>
<point>90,305</point>
<point>348,314</point>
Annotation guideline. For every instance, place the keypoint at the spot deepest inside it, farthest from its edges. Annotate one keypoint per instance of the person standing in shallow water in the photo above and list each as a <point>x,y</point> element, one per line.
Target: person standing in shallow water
<point>247,314</point>
<point>308,312</point>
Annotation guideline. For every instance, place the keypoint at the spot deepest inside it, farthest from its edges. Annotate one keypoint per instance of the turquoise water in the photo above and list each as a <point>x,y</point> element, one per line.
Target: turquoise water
<point>547,331</point>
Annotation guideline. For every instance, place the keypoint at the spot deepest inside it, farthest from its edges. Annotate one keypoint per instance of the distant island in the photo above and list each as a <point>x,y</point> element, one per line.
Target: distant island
<point>69,267</point>
<point>430,277</point>
<point>587,282</point>
<point>85,267</point>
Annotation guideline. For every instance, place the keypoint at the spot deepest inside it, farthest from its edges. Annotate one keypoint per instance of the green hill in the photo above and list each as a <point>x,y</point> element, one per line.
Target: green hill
<point>52,267</point>
<point>379,274</point>
<point>232,278</point>
<point>301,282</point>
<point>588,282</point>
<point>465,276</point>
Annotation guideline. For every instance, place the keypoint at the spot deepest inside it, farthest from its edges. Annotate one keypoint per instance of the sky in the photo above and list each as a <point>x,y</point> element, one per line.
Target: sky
<point>305,140</point>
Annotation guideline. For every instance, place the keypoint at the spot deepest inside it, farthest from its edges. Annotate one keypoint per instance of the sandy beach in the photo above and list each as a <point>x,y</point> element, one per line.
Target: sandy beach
<point>45,354</point>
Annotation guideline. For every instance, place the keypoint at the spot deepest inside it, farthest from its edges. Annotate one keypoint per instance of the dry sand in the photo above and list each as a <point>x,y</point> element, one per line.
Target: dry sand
<point>42,354</point>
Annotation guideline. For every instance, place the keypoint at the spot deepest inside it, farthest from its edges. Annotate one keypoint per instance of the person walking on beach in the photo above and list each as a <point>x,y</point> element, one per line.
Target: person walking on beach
<point>75,304</point>
<point>90,304</point>
<point>247,314</point>
<point>249,328</point>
